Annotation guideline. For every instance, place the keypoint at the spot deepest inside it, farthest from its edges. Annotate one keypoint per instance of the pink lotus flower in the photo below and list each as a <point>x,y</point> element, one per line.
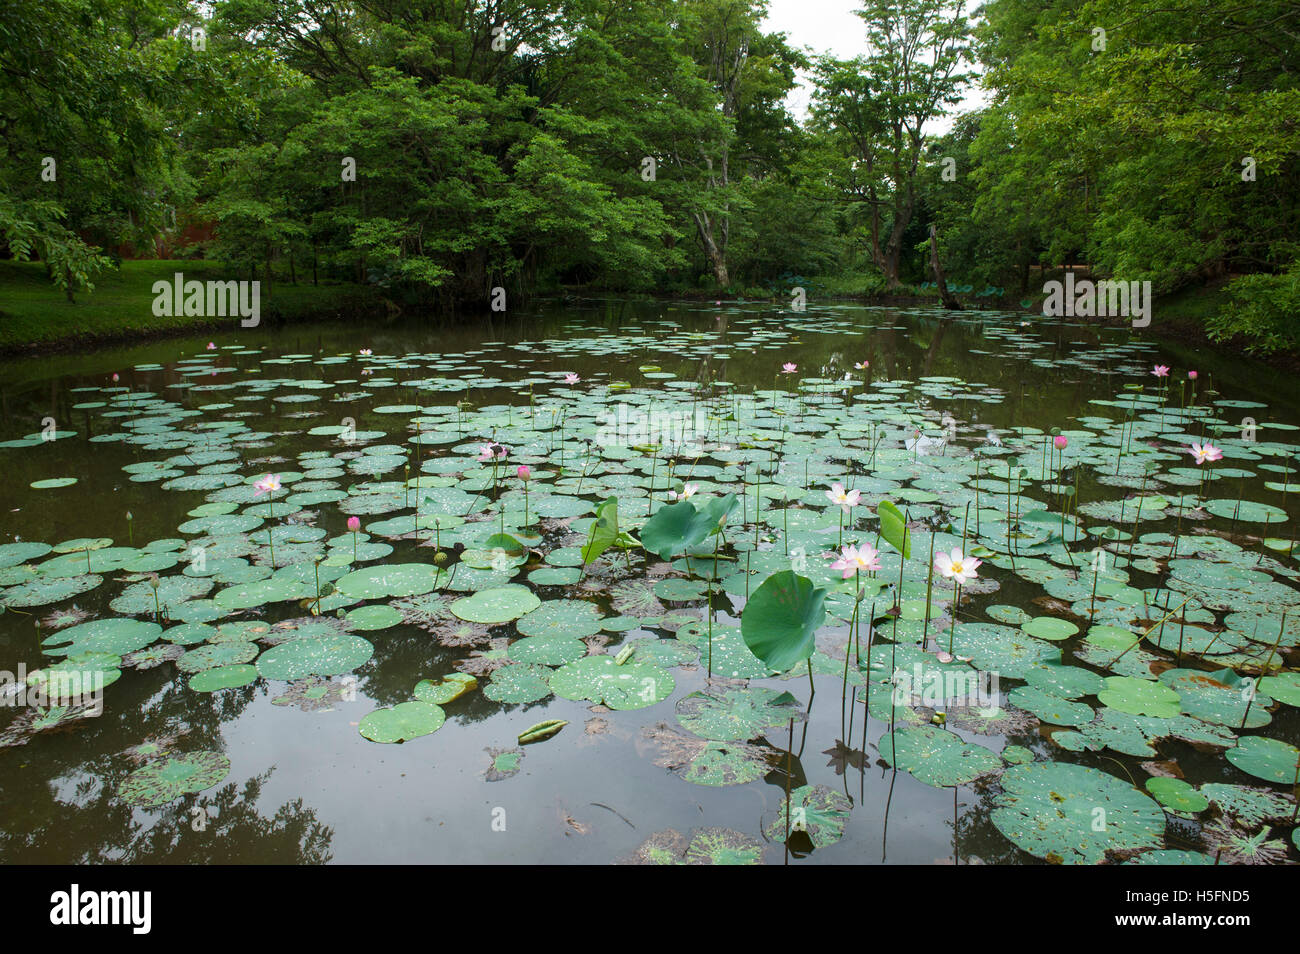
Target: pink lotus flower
<point>524,472</point>
<point>1204,452</point>
<point>1192,374</point>
<point>687,493</point>
<point>1161,371</point>
<point>855,559</point>
<point>1060,442</point>
<point>115,376</point>
<point>844,499</point>
<point>270,483</point>
<point>789,368</point>
<point>354,524</point>
<point>571,378</point>
<point>956,566</point>
<point>862,365</point>
<point>365,352</point>
<point>489,452</point>
<point>212,346</point>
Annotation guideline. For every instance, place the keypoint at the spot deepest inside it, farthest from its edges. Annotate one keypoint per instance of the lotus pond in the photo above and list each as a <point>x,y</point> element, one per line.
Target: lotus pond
<point>334,620</point>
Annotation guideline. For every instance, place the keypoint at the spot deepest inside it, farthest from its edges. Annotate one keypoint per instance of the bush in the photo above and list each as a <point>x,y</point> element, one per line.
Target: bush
<point>1263,308</point>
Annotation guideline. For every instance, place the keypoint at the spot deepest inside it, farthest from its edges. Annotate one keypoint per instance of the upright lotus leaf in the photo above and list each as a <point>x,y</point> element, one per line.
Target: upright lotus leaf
<point>1071,814</point>
<point>1269,759</point>
<point>893,528</point>
<point>779,623</point>
<point>165,780</point>
<point>408,720</point>
<point>604,531</point>
<point>677,527</point>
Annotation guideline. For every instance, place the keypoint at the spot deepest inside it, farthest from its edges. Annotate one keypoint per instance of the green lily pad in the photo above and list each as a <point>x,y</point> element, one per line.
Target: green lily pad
<point>1070,814</point>
<point>1140,697</point>
<point>166,780</point>
<point>451,686</point>
<point>1269,759</point>
<point>305,656</point>
<point>518,683</point>
<point>405,721</point>
<point>1177,795</point>
<point>819,812</point>
<point>223,677</point>
<point>937,757</point>
<point>498,604</point>
<point>736,714</point>
<point>634,685</point>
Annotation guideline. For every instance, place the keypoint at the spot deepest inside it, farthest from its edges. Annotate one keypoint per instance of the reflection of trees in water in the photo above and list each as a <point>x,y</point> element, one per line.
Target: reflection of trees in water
<point>62,806</point>
<point>235,832</point>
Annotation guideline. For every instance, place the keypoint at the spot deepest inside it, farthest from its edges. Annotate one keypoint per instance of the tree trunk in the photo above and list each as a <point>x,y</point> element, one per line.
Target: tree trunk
<point>946,296</point>
<point>717,256</point>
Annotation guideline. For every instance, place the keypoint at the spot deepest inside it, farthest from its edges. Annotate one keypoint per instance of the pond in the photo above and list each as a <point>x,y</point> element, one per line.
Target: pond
<point>288,599</point>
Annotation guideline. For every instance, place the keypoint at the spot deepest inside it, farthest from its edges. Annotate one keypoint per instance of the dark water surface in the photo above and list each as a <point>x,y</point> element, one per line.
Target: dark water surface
<point>305,786</point>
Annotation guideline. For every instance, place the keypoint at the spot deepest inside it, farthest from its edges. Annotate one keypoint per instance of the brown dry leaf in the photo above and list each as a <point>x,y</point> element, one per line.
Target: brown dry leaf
<point>1163,769</point>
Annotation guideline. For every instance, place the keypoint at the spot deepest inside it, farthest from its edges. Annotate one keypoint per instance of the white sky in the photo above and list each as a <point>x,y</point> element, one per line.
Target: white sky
<point>829,26</point>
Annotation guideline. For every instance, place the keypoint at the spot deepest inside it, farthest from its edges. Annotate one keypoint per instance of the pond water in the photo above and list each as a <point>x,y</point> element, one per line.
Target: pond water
<point>1133,691</point>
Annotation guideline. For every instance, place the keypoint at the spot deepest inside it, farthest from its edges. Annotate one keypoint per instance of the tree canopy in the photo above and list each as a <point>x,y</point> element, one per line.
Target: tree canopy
<point>443,148</point>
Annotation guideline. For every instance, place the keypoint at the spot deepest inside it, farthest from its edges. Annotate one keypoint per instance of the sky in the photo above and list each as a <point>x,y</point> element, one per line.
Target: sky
<point>829,26</point>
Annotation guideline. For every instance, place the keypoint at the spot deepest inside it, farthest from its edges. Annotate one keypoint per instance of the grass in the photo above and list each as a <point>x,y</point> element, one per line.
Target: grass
<point>34,314</point>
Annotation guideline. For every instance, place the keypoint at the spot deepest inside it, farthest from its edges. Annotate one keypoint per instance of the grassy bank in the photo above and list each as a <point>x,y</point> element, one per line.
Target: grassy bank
<point>35,315</point>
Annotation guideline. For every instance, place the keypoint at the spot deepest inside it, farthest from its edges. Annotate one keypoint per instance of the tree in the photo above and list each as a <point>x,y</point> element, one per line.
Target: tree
<point>880,104</point>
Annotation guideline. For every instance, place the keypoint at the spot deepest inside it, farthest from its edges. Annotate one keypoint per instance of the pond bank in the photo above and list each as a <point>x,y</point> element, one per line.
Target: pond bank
<point>35,317</point>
